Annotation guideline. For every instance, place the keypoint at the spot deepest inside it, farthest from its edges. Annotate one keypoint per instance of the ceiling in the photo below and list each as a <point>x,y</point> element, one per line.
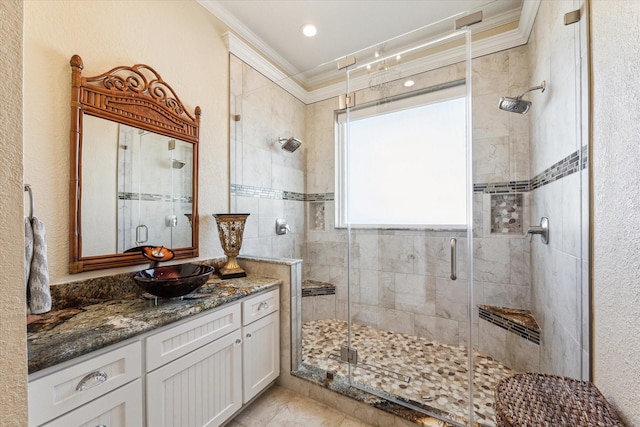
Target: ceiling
<point>272,28</point>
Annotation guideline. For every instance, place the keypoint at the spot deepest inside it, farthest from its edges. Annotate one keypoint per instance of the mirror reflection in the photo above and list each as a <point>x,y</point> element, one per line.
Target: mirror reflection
<point>137,188</point>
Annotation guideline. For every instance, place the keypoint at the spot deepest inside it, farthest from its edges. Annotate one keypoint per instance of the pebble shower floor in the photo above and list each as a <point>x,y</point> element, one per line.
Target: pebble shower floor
<point>427,373</point>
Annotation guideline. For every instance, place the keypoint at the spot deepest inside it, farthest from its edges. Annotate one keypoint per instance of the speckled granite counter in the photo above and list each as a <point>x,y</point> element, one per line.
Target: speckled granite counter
<point>97,313</point>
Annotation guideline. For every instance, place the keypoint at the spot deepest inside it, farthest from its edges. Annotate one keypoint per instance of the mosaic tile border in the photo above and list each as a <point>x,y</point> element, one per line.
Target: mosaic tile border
<point>565,167</point>
<point>271,193</point>
<point>147,197</point>
<point>511,326</point>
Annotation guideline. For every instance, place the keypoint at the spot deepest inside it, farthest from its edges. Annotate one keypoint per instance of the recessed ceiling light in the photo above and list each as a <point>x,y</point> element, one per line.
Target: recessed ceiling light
<point>409,83</point>
<point>309,30</point>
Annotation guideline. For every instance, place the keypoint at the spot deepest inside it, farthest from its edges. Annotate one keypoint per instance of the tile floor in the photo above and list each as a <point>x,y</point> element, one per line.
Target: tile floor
<point>429,374</point>
<point>280,407</point>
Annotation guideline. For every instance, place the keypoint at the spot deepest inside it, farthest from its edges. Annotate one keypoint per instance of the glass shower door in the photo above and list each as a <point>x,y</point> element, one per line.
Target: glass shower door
<point>403,195</point>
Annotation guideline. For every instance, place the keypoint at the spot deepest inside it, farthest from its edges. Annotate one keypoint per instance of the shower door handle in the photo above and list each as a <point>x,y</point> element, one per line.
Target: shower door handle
<point>454,273</point>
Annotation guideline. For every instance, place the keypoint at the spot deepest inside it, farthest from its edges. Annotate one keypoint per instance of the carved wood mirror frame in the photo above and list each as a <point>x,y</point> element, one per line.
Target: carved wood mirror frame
<point>125,95</point>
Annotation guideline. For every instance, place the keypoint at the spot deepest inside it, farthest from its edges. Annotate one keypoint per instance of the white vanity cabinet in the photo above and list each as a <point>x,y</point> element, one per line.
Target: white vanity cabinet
<point>78,384</point>
<point>201,387</point>
<point>194,373</point>
<point>261,343</point>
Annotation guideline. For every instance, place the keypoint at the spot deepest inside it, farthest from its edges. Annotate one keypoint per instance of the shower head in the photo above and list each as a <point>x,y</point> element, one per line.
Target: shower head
<point>514,105</point>
<point>290,144</point>
<point>177,164</point>
<point>517,104</point>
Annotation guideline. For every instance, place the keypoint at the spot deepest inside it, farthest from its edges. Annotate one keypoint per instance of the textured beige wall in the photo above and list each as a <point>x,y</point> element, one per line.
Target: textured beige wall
<point>13,357</point>
<point>616,126</point>
<point>179,39</point>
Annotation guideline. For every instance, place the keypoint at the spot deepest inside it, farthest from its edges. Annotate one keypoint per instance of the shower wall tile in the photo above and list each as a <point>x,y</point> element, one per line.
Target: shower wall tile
<point>505,295</point>
<point>492,259</point>
<point>491,74</point>
<point>571,215</point>
<point>520,262</point>
<point>387,289</point>
<point>521,354</point>
<point>325,307</point>
<point>519,70</point>
<point>519,157</point>
<point>492,339</point>
<point>395,320</point>
<point>491,157</point>
<point>327,253</point>
<point>367,282</point>
<point>451,299</point>
<point>268,211</point>
<point>487,122</point>
<point>284,177</point>
<point>436,328</point>
<point>365,252</point>
<point>415,294</point>
<point>398,253</point>
<point>365,314</point>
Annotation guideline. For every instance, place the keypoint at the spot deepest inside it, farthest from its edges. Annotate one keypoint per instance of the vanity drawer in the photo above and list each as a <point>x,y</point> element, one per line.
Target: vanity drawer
<point>177,341</point>
<point>65,390</point>
<point>259,306</point>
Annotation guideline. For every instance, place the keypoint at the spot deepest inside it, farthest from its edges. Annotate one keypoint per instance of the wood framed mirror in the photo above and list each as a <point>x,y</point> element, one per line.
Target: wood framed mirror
<point>134,168</point>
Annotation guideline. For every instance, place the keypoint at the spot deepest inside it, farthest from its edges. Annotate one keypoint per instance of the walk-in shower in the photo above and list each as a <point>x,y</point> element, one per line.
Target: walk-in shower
<point>378,314</point>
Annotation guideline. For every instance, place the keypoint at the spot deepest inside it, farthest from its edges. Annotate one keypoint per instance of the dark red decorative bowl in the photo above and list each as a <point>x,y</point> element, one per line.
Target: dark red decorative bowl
<point>170,281</point>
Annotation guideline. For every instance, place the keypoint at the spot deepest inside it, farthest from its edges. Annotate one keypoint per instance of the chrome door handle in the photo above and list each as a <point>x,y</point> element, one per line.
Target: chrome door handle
<point>454,274</point>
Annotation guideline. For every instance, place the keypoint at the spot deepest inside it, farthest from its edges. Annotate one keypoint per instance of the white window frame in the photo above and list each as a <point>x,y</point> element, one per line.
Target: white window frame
<point>431,95</point>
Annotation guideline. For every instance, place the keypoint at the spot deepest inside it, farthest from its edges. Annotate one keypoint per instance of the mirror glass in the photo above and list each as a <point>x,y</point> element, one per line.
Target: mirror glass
<point>137,188</point>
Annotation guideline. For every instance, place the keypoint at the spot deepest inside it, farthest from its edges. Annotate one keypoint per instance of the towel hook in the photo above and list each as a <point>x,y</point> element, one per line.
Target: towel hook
<point>27,188</point>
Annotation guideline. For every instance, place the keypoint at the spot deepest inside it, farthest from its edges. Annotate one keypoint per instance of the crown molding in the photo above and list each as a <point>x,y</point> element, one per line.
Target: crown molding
<point>251,57</point>
<point>254,56</point>
<point>245,33</point>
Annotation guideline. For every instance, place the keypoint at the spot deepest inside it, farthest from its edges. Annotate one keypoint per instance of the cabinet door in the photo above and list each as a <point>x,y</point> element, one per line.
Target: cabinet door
<point>261,354</point>
<point>202,388</point>
<point>120,408</point>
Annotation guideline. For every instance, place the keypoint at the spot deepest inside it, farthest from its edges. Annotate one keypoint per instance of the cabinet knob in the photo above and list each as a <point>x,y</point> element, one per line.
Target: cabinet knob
<point>248,335</point>
<point>238,341</point>
<point>264,305</point>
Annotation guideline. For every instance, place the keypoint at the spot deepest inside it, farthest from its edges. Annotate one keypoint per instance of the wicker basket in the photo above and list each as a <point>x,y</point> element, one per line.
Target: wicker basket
<point>536,400</point>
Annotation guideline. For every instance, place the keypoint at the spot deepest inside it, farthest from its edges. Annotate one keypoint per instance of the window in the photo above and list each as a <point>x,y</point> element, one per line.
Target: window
<point>403,163</point>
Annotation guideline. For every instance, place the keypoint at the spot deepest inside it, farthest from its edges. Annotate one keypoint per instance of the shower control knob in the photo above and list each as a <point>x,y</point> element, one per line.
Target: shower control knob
<point>282,227</point>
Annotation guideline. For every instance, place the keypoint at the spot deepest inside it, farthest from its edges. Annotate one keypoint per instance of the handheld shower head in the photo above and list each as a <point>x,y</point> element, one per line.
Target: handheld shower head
<point>517,104</point>
<point>290,144</point>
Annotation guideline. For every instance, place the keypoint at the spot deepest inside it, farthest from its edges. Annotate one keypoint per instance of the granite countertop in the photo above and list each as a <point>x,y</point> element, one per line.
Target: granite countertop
<point>95,315</point>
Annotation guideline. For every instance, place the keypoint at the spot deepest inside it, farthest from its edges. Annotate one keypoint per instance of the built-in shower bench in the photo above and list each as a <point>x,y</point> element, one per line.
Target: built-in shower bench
<point>510,335</point>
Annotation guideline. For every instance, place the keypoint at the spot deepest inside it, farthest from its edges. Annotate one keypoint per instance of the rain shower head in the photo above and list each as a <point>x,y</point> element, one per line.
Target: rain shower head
<point>517,104</point>
<point>290,144</point>
<point>514,105</point>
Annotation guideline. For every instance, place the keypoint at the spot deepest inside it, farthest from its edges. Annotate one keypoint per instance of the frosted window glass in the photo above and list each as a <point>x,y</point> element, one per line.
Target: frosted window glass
<point>407,167</point>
